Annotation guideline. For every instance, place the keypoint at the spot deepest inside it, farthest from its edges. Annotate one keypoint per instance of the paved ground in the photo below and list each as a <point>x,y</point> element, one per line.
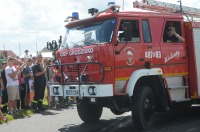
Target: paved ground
<point>67,120</point>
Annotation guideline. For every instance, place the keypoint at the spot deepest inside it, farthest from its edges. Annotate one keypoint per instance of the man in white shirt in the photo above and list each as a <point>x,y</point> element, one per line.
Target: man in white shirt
<point>12,85</point>
<point>26,55</point>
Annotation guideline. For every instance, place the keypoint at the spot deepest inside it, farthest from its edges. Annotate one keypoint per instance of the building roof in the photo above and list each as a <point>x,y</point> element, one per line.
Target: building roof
<point>9,53</point>
<point>45,50</point>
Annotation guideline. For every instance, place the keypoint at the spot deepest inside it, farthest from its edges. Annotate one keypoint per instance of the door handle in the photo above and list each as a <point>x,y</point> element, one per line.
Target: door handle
<point>141,59</point>
<point>184,57</point>
<point>149,47</point>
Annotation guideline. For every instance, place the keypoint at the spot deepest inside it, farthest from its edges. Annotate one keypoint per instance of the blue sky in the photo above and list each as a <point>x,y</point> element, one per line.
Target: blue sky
<point>37,21</point>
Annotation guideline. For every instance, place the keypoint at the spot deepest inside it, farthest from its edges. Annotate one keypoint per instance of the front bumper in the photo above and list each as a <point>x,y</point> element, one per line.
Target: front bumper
<point>101,90</point>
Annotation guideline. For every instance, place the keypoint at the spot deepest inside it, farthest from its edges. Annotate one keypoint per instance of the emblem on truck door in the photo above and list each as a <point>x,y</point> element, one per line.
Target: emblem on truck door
<point>129,52</point>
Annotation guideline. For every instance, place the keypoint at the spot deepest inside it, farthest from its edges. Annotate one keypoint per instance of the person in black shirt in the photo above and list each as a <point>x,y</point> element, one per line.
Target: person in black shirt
<point>172,36</point>
<point>39,82</point>
<point>4,83</point>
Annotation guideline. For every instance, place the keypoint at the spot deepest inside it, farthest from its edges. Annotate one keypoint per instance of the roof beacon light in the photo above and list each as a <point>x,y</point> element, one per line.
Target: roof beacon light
<point>113,7</point>
<point>75,15</point>
<point>92,11</point>
<point>111,3</point>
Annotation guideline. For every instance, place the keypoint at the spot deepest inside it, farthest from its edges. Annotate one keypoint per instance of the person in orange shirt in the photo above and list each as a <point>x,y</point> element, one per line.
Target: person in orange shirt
<point>31,88</point>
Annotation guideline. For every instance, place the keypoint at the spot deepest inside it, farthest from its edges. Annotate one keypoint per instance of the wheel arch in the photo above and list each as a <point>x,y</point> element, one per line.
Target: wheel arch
<point>153,79</point>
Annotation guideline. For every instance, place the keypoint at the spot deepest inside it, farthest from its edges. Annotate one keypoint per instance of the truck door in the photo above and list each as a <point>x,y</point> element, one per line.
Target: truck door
<point>151,51</point>
<point>173,50</point>
<point>174,55</point>
<point>129,57</point>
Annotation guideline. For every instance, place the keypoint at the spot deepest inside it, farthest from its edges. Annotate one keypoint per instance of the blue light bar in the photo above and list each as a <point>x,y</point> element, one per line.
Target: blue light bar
<point>111,3</point>
<point>75,15</point>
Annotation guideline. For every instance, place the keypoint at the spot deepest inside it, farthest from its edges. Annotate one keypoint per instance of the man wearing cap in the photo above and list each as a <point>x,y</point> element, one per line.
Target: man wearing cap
<point>39,82</point>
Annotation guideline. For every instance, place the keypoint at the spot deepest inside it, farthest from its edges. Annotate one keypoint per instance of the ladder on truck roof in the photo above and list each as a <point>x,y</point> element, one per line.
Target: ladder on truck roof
<point>158,6</point>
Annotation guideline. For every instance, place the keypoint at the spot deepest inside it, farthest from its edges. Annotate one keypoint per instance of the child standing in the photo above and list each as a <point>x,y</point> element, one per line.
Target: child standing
<point>31,87</point>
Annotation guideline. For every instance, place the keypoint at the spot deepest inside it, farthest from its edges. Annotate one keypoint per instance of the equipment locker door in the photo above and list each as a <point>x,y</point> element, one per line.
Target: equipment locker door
<point>193,44</point>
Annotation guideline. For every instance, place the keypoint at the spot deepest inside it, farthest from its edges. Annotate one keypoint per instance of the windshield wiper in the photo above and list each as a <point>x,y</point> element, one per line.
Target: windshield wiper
<point>90,43</point>
<point>75,45</point>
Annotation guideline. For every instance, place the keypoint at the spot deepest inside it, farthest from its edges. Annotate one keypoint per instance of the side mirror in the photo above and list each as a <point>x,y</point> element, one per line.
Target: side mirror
<point>54,45</point>
<point>49,46</point>
<point>127,31</point>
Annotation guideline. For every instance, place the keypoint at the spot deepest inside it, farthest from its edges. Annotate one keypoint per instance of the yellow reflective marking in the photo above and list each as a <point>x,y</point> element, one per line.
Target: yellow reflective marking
<point>159,71</point>
<point>108,68</point>
<point>176,74</point>
<point>122,78</point>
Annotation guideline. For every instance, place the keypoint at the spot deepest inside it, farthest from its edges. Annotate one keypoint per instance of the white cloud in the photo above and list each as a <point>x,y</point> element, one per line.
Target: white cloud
<point>30,21</point>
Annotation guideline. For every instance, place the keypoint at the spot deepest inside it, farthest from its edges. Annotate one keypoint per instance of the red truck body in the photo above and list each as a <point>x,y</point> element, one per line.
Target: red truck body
<point>130,74</point>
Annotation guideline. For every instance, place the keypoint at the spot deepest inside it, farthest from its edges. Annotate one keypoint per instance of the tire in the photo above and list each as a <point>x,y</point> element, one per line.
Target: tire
<point>89,112</point>
<point>116,112</point>
<point>143,108</point>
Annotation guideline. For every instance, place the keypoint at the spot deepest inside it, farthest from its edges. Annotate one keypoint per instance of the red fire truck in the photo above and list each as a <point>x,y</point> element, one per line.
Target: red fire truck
<point>124,61</point>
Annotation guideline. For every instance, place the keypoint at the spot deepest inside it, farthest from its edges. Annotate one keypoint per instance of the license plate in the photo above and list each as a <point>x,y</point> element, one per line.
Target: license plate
<point>72,92</point>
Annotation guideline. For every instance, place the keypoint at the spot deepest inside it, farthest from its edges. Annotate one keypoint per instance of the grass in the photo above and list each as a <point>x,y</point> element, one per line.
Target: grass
<point>23,113</point>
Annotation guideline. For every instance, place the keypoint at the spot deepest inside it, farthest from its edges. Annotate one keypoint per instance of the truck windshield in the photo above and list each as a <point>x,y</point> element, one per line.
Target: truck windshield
<point>93,33</point>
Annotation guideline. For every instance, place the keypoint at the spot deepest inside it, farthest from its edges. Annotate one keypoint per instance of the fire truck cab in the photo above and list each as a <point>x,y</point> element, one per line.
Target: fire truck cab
<point>126,61</point>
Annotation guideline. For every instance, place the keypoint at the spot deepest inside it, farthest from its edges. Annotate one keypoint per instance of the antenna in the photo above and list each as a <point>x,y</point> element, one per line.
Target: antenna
<point>123,5</point>
<point>181,7</point>
<point>19,49</point>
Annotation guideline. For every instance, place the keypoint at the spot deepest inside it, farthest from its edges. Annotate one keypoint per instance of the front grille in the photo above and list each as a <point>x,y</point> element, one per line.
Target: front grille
<point>80,73</point>
<point>74,68</point>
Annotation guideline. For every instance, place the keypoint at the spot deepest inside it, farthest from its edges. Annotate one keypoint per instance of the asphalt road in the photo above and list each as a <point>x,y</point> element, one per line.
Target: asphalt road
<point>67,120</point>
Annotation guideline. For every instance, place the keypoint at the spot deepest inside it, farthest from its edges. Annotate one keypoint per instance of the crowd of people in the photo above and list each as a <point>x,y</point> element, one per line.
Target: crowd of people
<point>23,83</point>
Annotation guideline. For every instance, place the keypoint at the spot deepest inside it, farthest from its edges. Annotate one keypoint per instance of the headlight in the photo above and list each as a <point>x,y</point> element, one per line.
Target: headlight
<point>92,90</point>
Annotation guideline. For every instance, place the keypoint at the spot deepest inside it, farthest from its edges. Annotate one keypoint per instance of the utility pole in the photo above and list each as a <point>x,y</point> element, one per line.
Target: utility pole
<point>36,48</point>
<point>123,5</point>
<point>4,52</point>
<point>19,49</point>
<point>3,46</point>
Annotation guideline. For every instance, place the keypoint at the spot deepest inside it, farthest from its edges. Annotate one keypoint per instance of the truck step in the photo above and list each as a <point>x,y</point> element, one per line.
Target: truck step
<point>178,87</point>
<point>178,94</point>
<point>121,94</point>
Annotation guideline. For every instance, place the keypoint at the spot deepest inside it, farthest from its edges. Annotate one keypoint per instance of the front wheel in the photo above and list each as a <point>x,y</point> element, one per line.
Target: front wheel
<point>89,112</point>
<point>143,107</point>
